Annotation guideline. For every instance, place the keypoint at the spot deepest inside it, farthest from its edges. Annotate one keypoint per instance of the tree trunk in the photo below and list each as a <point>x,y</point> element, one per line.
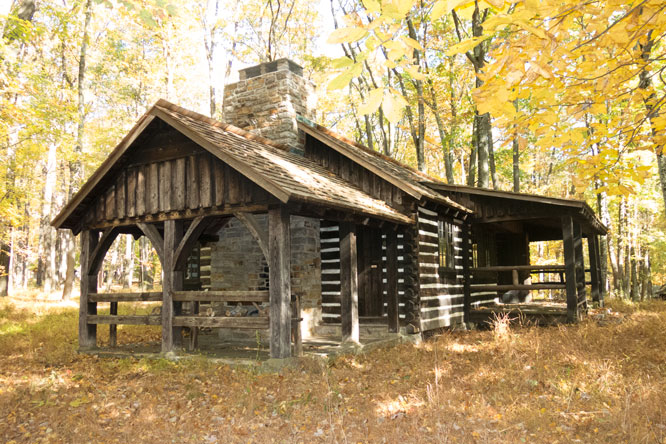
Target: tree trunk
<point>471,171</point>
<point>516,164</point>
<point>47,255</point>
<point>76,167</point>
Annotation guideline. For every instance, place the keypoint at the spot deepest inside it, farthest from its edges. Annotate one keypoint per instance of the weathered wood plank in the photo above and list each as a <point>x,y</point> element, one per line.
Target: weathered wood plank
<point>165,182</point>
<point>279,269</point>
<point>593,249</point>
<point>103,244</point>
<point>153,296</point>
<point>218,179</point>
<point>570,264</point>
<point>467,277</point>
<point>244,322</point>
<point>173,281</point>
<point>349,282</point>
<point>153,189</point>
<point>131,192</point>
<point>125,319</point>
<point>113,328</point>
<point>580,266</point>
<point>222,296</point>
<point>121,189</point>
<point>252,225</point>
<point>179,187</point>
<point>192,182</point>
<point>110,204</point>
<point>184,248</point>
<point>141,189</point>
<point>205,186</point>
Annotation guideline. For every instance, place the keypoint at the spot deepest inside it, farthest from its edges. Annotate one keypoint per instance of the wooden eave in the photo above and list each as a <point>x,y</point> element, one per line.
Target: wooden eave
<point>203,131</point>
<point>380,165</point>
<point>577,207</point>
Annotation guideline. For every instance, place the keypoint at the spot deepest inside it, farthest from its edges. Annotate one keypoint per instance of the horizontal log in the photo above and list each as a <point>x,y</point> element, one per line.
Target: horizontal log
<point>125,297</point>
<point>221,296</point>
<point>125,320</point>
<point>534,268</point>
<point>245,322</point>
<point>518,287</point>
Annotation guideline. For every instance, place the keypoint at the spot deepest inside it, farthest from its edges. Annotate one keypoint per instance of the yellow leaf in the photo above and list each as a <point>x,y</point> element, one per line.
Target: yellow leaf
<point>392,107</point>
<point>346,35</point>
<point>439,9</point>
<point>397,9</point>
<point>465,45</point>
<point>412,43</point>
<point>498,4</point>
<point>466,10</point>
<point>414,72</point>
<point>340,81</point>
<point>372,102</point>
<point>371,5</point>
<point>342,62</point>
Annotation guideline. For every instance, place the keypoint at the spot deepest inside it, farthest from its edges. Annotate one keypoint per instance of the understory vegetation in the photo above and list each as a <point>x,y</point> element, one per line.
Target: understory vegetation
<point>603,380</point>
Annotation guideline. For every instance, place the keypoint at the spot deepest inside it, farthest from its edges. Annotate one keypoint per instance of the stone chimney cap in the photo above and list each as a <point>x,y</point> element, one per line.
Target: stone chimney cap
<point>264,68</point>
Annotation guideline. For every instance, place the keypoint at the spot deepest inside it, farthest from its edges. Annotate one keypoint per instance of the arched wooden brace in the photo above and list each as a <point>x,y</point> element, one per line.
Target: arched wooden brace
<point>150,231</point>
<point>190,238</point>
<point>103,245</point>
<point>261,236</point>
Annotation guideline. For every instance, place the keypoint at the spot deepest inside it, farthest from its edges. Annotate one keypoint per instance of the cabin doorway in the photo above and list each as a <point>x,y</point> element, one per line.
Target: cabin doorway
<point>369,248</point>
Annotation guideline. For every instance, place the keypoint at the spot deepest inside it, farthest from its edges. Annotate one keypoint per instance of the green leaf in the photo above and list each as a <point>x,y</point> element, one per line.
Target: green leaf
<point>147,18</point>
<point>346,35</point>
<point>342,62</point>
<point>340,81</point>
<point>372,102</point>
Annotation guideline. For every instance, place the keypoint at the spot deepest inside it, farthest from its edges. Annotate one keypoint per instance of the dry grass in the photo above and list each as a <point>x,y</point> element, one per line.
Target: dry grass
<point>601,381</point>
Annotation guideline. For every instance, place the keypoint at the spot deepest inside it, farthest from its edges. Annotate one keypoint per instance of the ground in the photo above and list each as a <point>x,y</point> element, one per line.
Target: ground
<point>601,381</point>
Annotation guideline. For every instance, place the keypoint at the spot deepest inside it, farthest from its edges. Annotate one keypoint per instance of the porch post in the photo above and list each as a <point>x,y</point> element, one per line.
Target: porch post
<point>580,266</point>
<point>87,332</point>
<point>602,275</point>
<point>392,280</point>
<point>592,246</point>
<point>279,281</point>
<point>172,281</point>
<point>349,282</point>
<point>570,268</point>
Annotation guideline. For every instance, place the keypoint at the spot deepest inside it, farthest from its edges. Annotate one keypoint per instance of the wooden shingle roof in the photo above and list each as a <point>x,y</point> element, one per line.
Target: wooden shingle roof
<point>400,175</point>
<point>287,176</point>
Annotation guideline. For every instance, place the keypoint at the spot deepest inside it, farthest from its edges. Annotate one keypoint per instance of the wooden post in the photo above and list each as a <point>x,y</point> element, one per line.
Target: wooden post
<point>580,266</point>
<point>514,277</point>
<point>113,328</point>
<point>602,275</point>
<point>279,278</point>
<point>172,281</point>
<point>467,276</point>
<point>392,280</point>
<point>592,246</point>
<point>349,283</point>
<point>570,268</point>
<point>87,332</point>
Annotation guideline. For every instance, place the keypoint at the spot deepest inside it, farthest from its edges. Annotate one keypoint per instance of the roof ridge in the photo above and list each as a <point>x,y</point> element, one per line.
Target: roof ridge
<point>163,103</point>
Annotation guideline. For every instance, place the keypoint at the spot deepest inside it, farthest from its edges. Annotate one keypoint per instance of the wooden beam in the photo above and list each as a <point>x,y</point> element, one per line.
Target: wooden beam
<point>221,296</point>
<point>570,268</point>
<point>255,230</point>
<point>173,281</point>
<point>349,283</point>
<point>125,297</point>
<point>392,281</point>
<point>188,241</point>
<point>87,329</point>
<point>580,266</point>
<point>103,245</point>
<point>279,276</point>
<point>125,320</point>
<point>247,322</point>
<point>156,239</point>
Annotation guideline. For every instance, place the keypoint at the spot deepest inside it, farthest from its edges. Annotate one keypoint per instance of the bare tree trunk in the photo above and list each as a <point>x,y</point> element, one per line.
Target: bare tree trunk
<point>129,261</point>
<point>76,167</point>
<point>46,250</point>
<point>634,275</point>
<point>516,164</point>
<point>471,171</point>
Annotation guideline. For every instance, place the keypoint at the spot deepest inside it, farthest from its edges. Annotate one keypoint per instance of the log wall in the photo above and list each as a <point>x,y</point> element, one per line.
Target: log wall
<point>441,293</point>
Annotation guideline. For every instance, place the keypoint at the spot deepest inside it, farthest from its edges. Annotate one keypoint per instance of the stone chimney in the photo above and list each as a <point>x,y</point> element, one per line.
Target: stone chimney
<point>266,100</point>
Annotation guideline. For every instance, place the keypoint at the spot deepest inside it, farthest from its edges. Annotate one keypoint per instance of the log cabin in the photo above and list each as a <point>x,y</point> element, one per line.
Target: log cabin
<point>271,208</point>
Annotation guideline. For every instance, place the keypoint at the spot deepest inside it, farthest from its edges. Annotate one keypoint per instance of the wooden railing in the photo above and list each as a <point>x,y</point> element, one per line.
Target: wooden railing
<point>516,284</point>
<point>195,320</point>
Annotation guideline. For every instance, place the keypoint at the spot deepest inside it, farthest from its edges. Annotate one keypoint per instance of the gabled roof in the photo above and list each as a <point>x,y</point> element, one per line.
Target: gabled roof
<point>400,175</point>
<point>578,205</point>
<point>287,176</point>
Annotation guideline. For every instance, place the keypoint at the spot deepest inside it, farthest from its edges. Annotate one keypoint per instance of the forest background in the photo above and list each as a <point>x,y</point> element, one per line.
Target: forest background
<point>556,98</point>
